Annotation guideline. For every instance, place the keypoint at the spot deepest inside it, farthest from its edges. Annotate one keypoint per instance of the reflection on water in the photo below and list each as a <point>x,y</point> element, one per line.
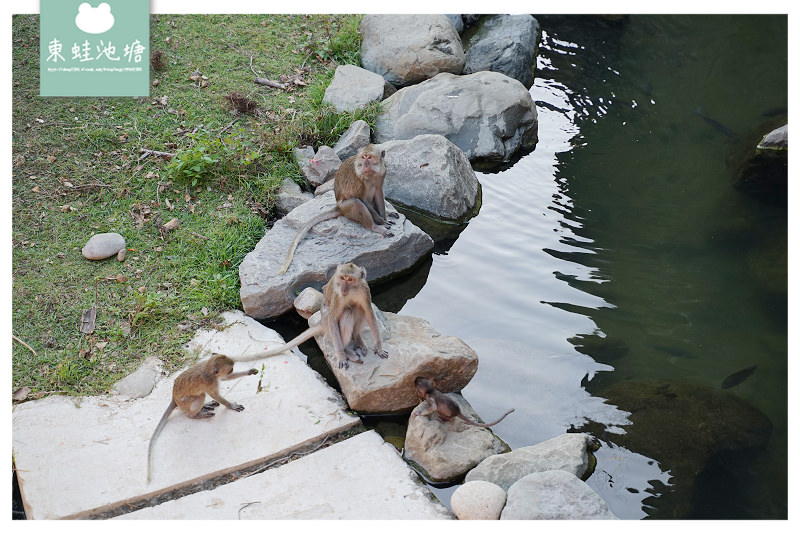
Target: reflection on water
<point>618,252</point>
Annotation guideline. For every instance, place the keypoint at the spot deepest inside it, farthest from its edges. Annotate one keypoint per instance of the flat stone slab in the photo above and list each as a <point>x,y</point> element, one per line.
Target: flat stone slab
<point>337,482</point>
<point>79,456</point>
<point>265,293</point>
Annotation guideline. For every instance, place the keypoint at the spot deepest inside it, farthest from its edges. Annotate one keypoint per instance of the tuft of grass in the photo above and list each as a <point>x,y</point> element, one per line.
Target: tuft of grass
<point>78,170</point>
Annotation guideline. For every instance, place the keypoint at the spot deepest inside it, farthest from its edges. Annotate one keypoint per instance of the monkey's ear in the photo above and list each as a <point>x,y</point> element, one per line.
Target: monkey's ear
<point>363,272</point>
<point>383,154</point>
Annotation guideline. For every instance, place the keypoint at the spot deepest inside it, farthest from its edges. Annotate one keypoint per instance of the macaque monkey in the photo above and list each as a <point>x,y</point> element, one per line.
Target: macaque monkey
<point>346,308</point>
<point>358,188</point>
<point>190,389</point>
<point>445,406</point>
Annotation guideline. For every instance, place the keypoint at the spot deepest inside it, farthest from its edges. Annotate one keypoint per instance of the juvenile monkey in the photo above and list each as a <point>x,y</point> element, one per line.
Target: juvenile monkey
<point>190,389</point>
<point>358,188</point>
<point>346,307</point>
<point>445,406</point>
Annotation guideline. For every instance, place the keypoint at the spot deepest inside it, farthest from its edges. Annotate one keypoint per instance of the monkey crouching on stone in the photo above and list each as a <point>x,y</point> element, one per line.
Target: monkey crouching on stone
<point>443,405</point>
<point>190,389</point>
<point>346,308</point>
<point>358,188</point>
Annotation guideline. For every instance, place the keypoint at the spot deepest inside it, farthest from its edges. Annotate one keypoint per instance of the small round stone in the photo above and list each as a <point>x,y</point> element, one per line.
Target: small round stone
<point>478,500</point>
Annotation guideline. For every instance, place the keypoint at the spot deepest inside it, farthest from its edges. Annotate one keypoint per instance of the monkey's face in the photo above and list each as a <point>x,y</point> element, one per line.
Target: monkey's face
<point>368,163</point>
<point>423,386</point>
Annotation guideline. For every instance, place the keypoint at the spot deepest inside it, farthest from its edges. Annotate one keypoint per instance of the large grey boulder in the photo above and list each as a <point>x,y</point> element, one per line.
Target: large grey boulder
<point>568,452</point>
<point>554,495</point>
<point>407,49</point>
<point>265,293</point>
<point>431,175</point>
<point>383,386</point>
<point>353,87</point>
<point>487,114</point>
<point>506,44</point>
<point>777,139</point>
<point>447,450</point>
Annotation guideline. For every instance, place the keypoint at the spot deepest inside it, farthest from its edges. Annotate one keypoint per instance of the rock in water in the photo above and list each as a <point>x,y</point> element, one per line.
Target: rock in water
<point>478,500</point>
<point>383,386</point>
<point>407,49</point>
<point>506,44</point>
<point>568,452</point>
<point>265,293</point>
<point>488,115</point>
<point>103,245</point>
<point>448,450</point>
<point>554,495</point>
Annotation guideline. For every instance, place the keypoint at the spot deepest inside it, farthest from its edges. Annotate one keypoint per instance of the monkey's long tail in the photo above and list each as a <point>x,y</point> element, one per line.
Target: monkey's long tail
<point>300,339</point>
<point>302,233</point>
<point>159,427</point>
<point>486,425</point>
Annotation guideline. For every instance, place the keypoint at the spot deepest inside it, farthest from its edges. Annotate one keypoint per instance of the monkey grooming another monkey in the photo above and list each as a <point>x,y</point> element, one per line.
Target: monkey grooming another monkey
<point>445,406</point>
<point>346,308</point>
<point>190,389</point>
<point>358,188</point>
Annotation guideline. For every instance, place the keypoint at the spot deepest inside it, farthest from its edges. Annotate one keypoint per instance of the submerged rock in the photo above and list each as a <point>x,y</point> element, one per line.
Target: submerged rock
<point>384,386</point>
<point>488,115</point>
<point>568,452</point>
<point>103,245</point>
<point>554,495</point>
<point>447,450</point>
<point>407,49</point>
<point>265,293</point>
<point>685,428</point>
<point>506,44</point>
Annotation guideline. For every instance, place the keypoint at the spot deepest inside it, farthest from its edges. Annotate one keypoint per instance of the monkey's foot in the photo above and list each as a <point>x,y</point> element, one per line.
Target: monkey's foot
<point>383,354</point>
<point>393,214</point>
<point>237,407</point>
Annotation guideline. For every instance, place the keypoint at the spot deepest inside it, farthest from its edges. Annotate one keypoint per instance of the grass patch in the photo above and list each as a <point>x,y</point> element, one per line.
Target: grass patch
<point>77,171</point>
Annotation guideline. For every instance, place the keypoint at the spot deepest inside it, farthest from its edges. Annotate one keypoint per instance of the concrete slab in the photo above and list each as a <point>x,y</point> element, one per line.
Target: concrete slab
<point>79,456</point>
<point>359,478</point>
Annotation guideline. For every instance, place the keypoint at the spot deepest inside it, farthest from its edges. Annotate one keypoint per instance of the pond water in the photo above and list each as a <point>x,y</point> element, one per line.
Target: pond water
<point>618,250</point>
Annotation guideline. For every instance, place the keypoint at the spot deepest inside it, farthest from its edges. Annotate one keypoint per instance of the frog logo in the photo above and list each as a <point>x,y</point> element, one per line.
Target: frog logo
<point>94,19</point>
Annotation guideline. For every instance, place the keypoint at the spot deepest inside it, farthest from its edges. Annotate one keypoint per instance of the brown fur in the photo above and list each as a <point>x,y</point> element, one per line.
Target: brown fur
<point>446,408</point>
<point>358,188</point>
<point>345,309</point>
<point>190,389</point>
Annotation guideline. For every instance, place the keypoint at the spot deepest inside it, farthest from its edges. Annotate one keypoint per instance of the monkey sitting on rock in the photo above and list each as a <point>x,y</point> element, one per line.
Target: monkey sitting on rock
<point>346,309</point>
<point>444,406</point>
<point>190,389</point>
<point>358,188</point>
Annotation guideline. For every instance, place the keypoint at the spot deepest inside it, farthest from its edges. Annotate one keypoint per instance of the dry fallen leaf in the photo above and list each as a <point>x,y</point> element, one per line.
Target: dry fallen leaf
<point>172,225</point>
<point>51,159</point>
<point>20,394</point>
<point>88,319</point>
<point>36,188</point>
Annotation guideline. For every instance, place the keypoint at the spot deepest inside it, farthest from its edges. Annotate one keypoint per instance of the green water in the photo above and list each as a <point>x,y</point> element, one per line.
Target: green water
<point>622,235</point>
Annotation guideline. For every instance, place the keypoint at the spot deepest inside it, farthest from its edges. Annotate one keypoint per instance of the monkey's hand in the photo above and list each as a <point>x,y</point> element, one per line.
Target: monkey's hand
<point>344,364</point>
<point>237,407</point>
<point>393,214</point>
<point>252,372</point>
<point>383,354</point>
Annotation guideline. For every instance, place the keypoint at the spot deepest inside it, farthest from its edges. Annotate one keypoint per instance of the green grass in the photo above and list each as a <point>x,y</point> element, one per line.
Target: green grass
<point>77,171</point>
